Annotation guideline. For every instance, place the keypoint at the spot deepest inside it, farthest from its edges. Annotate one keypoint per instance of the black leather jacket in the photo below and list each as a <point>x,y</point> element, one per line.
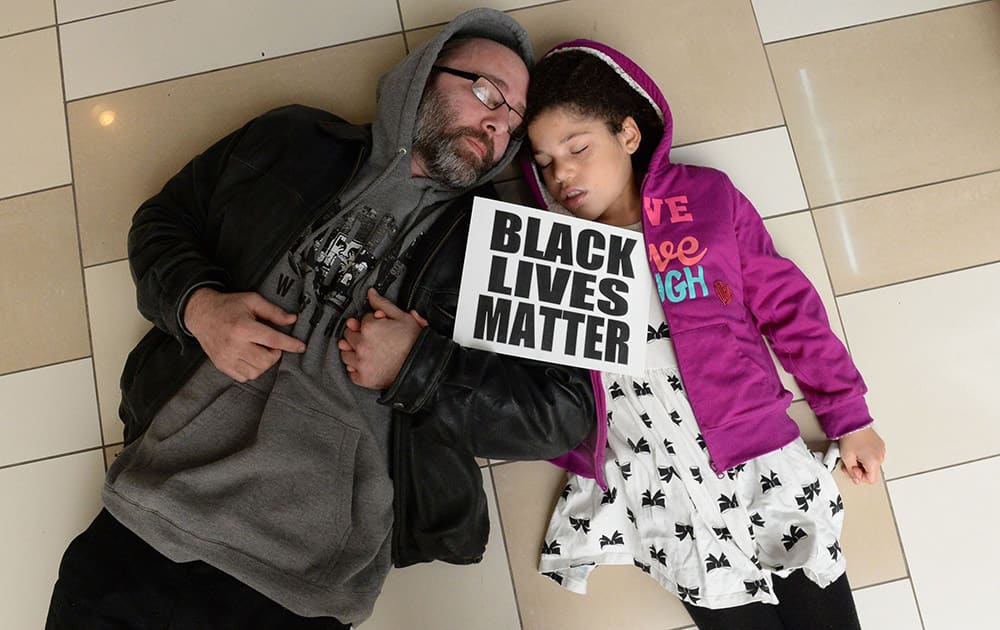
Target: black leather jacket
<point>228,215</point>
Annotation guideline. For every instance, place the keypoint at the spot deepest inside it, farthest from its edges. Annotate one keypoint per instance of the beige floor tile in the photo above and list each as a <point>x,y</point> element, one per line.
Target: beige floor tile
<point>928,350</point>
<point>782,19</point>
<point>48,411</point>
<point>795,238</point>
<point>17,16</point>
<point>869,539</point>
<point>33,154</point>
<point>617,596</point>
<point>892,105</point>
<point>69,10</point>
<point>420,13</point>
<point>946,522</point>
<point>449,597</point>
<point>761,164</point>
<point>889,606</point>
<point>41,293</point>
<point>153,131</point>
<point>713,71</point>
<point>116,326</point>
<point>54,500</point>
<point>112,52</point>
<point>911,234</point>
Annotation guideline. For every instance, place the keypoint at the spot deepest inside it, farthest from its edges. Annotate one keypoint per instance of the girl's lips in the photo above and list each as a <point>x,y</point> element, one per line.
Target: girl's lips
<point>573,202</point>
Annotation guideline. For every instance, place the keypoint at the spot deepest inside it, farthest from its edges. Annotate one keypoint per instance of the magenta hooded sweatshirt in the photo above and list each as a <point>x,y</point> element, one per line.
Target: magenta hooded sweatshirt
<point>723,289</point>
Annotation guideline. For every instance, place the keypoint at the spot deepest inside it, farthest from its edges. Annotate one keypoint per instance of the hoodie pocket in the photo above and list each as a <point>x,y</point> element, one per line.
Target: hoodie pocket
<point>265,478</point>
<point>722,382</point>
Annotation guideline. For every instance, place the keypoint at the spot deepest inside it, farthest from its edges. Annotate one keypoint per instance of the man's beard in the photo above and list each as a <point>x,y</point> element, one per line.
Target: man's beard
<point>444,156</point>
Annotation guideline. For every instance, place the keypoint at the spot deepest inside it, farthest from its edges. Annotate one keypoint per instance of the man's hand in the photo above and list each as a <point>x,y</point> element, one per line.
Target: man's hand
<point>861,454</point>
<point>375,348</point>
<point>231,330</point>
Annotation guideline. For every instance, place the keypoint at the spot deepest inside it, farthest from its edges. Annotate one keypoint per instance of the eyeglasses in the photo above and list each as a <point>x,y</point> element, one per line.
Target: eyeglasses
<point>490,96</point>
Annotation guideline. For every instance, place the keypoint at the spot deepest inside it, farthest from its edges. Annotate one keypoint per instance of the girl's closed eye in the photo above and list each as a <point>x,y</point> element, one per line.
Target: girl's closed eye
<point>580,150</point>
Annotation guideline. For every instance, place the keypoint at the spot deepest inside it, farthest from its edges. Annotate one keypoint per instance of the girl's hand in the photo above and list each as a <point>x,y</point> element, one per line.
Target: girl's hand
<point>861,454</point>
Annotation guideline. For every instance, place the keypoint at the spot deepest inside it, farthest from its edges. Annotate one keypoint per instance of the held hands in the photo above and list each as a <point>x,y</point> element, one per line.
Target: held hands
<point>861,454</point>
<point>232,331</point>
<point>375,348</point>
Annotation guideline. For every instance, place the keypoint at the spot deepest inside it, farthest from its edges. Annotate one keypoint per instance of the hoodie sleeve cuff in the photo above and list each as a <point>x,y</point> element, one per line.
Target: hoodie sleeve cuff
<point>846,418</point>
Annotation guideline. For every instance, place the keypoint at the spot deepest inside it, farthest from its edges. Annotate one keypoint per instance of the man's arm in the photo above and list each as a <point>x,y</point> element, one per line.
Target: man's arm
<point>488,404</point>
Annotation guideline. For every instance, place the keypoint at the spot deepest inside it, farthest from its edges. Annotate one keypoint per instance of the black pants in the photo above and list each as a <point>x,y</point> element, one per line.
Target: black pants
<point>801,606</point>
<point>110,578</point>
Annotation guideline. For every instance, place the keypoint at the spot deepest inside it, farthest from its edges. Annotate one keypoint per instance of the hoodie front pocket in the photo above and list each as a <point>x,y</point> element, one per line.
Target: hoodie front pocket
<point>722,383</point>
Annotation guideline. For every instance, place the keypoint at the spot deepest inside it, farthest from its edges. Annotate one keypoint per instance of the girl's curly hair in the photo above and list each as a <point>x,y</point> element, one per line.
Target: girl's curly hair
<point>587,86</point>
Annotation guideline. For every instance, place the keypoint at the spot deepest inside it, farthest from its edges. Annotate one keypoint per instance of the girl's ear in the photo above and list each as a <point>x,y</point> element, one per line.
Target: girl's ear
<point>630,135</point>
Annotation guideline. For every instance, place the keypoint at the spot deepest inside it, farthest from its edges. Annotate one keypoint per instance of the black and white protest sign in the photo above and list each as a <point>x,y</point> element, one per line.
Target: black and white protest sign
<point>553,287</point>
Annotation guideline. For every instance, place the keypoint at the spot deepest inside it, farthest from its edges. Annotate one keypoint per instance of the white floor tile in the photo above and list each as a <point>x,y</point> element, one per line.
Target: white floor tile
<point>449,597</point>
<point>115,327</point>
<point>888,607</point>
<point>928,350</point>
<point>54,500</point>
<point>947,524</point>
<point>69,10</point>
<point>34,153</point>
<point>795,238</point>
<point>114,52</point>
<point>782,19</point>
<point>418,13</point>
<point>761,164</point>
<point>17,16</point>
<point>48,411</point>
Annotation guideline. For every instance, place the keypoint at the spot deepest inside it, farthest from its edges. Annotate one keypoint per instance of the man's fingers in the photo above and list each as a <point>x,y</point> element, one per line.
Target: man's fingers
<point>262,309</point>
<point>380,303</point>
<point>420,320</point>
<point>270,338</point>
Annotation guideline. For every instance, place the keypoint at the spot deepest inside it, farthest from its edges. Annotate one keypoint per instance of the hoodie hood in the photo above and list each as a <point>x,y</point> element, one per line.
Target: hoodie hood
<point>401,89</point>
<point>639,81</point>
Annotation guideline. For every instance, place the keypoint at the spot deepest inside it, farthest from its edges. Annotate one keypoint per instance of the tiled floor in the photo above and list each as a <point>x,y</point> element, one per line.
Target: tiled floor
<point>867,133</point>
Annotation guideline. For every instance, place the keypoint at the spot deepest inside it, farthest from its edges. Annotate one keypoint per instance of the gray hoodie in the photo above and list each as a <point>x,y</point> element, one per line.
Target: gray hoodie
<point>282,482</point>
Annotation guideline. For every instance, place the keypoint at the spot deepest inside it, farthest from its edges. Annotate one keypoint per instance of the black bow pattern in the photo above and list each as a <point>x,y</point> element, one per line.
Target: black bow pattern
<point>644,567</point>
<point>616,390</point>
<point>658,554</point>
<point>661,332</point>
<point>631,516</point>
<point>551,549</point>
<point>700,439</point>
<point>754,586</point>
<point>696,474</point>
<point>667,444</point>
<point>757,564</point>
<point>835,550</point>
<point>642,446</point>
<point>767,483</point>
<point>794,535</point>
<point>625,469</point>
<point>727,503</point>
<point>757,520</point>
<point>558,579</point>
<point>580,524</point>
<point>653,500</point>
<point>691,594</point>
<point>682,531</point>
<point>642,390</point>
<point>836,506</point>
<point>610,423</point>
<point>666,473</point>
<point>566,491</point>
<point>609,496</point>
<point>675,418</point>
<point>734,472</point>
<point>645,420</point>
<point>614,539</point>
<point>712,563</point>
<point>723,533</point>
<point>809,493</point>
<point>675,382</point>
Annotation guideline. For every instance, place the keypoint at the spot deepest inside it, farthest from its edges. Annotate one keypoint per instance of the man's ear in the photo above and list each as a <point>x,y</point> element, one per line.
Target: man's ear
<point>630,135</point>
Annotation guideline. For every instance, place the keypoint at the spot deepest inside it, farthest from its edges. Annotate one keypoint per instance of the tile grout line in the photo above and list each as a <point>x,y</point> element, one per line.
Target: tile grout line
<point>402,28</point>
<point>919,278</point>
<point>52,457</point>
<point>976,460</point>
<point>79,242</point>
<point>46,365</point>
<point>109,13</point>
<point>871,22</point>
<point>506,547</point>
<point>28,32</point>
<point>230,67</point>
